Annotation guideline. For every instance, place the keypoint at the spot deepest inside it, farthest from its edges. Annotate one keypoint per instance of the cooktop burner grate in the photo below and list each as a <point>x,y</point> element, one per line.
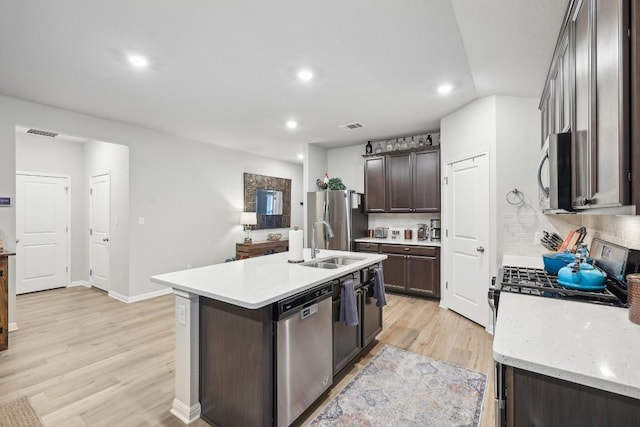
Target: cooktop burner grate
<point>535,281</point>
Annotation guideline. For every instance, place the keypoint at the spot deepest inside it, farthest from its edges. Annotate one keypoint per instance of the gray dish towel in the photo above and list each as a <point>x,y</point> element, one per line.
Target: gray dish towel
<point>378,288</point>
<point>348,309</point>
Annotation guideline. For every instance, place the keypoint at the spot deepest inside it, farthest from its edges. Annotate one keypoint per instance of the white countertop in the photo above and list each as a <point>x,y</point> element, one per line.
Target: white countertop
<point>400,241</point>
<point>584,343</point>
<point>256,282</point>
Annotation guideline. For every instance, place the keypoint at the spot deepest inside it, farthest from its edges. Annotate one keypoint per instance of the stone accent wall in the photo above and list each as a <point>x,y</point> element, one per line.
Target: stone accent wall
<point>253,182</point>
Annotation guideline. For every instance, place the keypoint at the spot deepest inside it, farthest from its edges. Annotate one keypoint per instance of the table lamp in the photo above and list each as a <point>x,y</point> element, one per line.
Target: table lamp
<point>248,220</point>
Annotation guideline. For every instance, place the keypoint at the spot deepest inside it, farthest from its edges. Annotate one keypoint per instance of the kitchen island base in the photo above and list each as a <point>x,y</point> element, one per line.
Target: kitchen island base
<point>536,399</point>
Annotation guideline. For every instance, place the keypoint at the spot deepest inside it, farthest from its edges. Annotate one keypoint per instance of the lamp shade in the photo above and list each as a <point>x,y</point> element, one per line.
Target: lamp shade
<point>248,218</point>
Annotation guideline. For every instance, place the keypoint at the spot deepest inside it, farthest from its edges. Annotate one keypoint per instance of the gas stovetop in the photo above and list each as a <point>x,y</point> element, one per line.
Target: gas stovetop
<point>535,281</point>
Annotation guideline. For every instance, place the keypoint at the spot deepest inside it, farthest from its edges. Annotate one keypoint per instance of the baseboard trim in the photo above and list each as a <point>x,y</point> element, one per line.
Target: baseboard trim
<point>185,413</point>
<point>79,283</point>
<point>140,297</point>
<point>13,326</point>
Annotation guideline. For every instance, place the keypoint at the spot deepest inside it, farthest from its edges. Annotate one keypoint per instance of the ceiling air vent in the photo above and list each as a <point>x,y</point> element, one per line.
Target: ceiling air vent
<point>352,126</point>
<point>43,133</point>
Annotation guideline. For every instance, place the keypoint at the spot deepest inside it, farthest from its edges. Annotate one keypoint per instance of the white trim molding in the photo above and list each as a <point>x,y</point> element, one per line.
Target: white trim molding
<point>79,283</point>
<point>140,297</point>
<point>13,326</point>
<point>185,413</point>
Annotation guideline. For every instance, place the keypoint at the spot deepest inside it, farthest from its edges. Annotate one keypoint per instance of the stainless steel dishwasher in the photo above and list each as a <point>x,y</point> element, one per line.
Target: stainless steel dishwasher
<point>304,359</point>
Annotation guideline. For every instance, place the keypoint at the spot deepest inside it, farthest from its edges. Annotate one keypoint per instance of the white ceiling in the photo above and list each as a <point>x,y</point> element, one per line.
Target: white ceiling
<point>223,72</point>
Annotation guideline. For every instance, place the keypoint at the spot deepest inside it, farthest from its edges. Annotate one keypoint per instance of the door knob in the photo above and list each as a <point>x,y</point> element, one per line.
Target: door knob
<point>480,249</point>
<point>106,239</point>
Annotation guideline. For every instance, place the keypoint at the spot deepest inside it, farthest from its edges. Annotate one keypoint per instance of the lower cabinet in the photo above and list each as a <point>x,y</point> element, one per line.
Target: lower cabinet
<point>535,399</point>
<point>412,269</point>
<point>350,341</point>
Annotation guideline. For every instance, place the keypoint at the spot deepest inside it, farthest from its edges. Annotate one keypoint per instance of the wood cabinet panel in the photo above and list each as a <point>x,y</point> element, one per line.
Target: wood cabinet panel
<point>236,364</point>
<point>399,182</point>
<point>346,339</point>
<point>375,184</point>
<point>540,400</point>
<point>423,275</point>
<point>251,250</point>
<point>394,268</point>
<point>409,250</point>
<point>426,181</point>
<point>367,247</point>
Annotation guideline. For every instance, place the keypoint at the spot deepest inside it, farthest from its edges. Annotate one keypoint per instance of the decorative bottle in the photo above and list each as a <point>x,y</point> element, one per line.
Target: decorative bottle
<point>368,148</point>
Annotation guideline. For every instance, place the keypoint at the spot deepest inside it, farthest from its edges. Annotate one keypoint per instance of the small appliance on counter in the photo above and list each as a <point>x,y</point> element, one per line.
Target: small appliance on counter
<point>381,232</point>
<point>435,229</point>
<point>423,232</point>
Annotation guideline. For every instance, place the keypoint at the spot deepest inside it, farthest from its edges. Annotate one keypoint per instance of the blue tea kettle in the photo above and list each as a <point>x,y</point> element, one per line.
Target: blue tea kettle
<point>581,276</point>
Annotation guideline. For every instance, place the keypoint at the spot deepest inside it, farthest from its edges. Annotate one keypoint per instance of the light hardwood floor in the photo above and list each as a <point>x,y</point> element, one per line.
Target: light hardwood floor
<point>85,359</point>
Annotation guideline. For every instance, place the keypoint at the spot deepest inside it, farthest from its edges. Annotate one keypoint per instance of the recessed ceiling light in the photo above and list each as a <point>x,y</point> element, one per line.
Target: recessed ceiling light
<point>300,156</point>
<point>292,124</point>
<point>445,88</point>
<point>305,75</point>
<point>138,61</point>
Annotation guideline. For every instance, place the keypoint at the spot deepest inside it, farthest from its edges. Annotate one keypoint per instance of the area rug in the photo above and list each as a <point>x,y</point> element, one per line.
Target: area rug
<point>19,413</point>
<point>401,388</point>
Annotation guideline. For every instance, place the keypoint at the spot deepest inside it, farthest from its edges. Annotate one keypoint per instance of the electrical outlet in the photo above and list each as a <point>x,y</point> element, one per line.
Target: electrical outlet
<point>182,314</point>
<point>537,237</point>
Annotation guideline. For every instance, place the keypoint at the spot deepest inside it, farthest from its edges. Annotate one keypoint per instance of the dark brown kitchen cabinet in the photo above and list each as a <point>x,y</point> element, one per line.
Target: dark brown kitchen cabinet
<point>395,267</point>
<point>413,181</point>
<point>413,270</point>
<point>426,181</point>
<point>590,90</point>
<point>399,182</point>
<point>346,339</point>
<point>422,275</point>
<point>367,247</point>
<point>375,184</point>
<point>535,399</point>
<point>403,181</point>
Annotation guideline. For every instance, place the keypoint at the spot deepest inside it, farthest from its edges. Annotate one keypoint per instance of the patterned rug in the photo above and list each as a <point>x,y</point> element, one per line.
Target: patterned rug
<point>401,388</point>
<point>19,413</point>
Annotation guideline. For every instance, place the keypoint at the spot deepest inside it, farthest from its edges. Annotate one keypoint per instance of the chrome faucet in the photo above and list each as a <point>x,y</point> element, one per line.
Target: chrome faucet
<point>314,248</point>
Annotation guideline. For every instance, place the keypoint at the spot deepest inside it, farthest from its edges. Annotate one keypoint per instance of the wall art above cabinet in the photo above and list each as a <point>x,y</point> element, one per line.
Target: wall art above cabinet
<point>403,181</point>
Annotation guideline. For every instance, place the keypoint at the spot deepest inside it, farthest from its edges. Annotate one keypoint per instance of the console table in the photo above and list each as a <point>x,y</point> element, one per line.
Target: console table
<point>267,247</point>
<point>4,299</point>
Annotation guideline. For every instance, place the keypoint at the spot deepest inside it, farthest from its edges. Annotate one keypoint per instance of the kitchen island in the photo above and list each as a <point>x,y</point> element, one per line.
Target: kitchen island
<point>225,314</point>
<point>566,362</point>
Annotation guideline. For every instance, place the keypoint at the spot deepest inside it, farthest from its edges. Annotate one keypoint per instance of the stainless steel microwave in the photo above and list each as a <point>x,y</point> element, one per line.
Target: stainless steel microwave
<point>557,151</point>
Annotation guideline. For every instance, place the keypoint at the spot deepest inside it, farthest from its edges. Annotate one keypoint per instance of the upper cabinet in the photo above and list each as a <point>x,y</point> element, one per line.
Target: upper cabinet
<point>375,187</point>
<point>403,181</point>
<point>588,92</point>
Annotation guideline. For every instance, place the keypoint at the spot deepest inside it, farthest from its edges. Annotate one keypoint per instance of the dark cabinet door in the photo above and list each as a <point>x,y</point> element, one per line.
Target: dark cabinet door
<point>426,181</point>
<point>423,275</point>
<point>374,184</point>
<point>346,339</point>
<point>394,272</point>
<point>367,247</point>
<point>371,316</point>
<point>399,182</point>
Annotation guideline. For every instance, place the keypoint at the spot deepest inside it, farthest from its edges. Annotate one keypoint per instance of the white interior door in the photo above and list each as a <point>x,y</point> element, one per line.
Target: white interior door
<point>42,230</point>
<point>99,202</point>
<point>468,275</point>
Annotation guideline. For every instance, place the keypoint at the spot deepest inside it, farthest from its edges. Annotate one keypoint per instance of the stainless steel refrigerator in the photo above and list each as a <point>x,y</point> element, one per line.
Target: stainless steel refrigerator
<point>344,211</point>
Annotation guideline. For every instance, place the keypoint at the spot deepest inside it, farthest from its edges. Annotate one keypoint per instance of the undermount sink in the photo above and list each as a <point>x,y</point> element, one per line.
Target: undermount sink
<point>330,263</point>
<point>321,264</point>
<point>343,260</point>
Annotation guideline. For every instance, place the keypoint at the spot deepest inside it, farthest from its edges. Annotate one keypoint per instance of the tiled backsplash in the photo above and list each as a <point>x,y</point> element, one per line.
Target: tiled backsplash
<point>518,232</point>
<point>400,220</point>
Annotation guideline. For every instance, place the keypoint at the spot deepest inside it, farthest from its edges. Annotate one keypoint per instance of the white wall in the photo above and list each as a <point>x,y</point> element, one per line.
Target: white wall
<point>102,157</point>
<point>36,153</point>
<point>347,163</point>
<point>314,166</point>
<point>189,192</point>
<point>517,155</point>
